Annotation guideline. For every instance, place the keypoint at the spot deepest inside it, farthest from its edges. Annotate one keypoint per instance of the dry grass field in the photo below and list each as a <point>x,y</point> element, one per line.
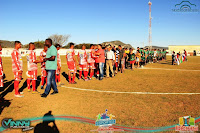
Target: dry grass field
<point>133,110</point>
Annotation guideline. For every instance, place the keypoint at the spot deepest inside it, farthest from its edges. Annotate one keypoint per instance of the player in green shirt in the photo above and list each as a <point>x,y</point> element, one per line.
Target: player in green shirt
<point>146,55</point>
<point>131,58</point>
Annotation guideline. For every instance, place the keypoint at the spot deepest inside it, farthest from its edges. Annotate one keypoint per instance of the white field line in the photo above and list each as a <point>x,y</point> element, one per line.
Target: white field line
<point>170,69</point>
<point>119,92</point>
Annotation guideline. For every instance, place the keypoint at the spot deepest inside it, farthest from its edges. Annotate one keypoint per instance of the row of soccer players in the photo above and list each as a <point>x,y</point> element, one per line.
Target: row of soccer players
<point>87,60</point>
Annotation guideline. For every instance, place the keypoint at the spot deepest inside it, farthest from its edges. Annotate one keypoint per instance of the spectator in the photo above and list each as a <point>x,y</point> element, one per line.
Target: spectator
<point>122,55</point>
<point>100,60</point>
<point>110,58</point>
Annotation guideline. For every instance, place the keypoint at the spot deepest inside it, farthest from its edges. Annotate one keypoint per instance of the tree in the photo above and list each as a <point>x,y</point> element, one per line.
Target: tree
<point>59,39</point>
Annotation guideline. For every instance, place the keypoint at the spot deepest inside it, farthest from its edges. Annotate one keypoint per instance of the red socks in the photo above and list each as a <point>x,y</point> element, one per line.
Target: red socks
<point>85,74</point>
<point>58,77</point>
<point>43,78</point>
<point>69,77</point>
<point>80,74</point>
<point>91,74</point>
<point>34,85</point>
<point>16,86</point>
<point>74,76</point>
<point>29,84</point>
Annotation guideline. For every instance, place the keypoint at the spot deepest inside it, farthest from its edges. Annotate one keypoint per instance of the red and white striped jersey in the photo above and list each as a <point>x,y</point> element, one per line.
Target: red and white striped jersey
<point>1,63</point>
<point>17,63</point>
<point>58,59</point>
<point>90,55</point>
<point>43,55</point>
<point>69,55</point>
<point>31,57</point>
<point>82,55</point>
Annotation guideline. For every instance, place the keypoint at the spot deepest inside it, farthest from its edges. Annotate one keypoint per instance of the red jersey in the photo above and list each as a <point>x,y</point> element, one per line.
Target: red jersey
<point>69,55</point>
<point>1,63</point>
<point>101,56</point>
<point>185,53</point>
<point>31,57</point>
<point>82,55</point>
<point>58,59</point>
<point>90,55</point>
<point>17,63</point>
<point>43,55</point>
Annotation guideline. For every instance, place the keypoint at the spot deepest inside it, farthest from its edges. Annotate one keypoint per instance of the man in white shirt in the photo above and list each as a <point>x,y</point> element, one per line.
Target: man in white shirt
<point>110,58</point>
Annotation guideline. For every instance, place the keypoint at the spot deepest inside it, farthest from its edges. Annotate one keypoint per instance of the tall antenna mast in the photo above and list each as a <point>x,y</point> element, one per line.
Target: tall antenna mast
<point>150,37</point>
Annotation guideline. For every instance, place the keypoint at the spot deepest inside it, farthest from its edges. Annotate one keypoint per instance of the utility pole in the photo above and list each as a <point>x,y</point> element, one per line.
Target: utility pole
<point>150,33</point>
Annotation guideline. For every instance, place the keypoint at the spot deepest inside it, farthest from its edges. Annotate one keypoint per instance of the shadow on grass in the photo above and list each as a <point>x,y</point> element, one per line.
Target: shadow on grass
<point>3,104</point>
<point>25,84</point>
<point>8,87</point>
<point>166,62</point>
<point>65,76</point>
<point>44,126</point>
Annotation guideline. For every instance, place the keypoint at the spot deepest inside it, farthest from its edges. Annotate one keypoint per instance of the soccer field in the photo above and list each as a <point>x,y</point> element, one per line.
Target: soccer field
<point>153,96</point>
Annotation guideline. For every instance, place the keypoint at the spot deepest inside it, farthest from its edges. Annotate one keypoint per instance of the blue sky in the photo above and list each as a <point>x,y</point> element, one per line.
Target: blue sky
<point>97,21</point>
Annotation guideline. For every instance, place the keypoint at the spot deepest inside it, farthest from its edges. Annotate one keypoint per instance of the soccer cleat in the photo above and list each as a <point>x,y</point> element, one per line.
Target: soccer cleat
<point>55,92</point>
<point>29,90</point>
<point>21,92</point>
<point>35,92</point>
<point>18,95</point>
<point>44,95</point>
<point>86,79</point>
<point>90,78</point>
<point>74,82</point>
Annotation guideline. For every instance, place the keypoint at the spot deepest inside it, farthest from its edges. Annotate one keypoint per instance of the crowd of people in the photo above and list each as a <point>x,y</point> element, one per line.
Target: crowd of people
<point>179,58</point>
<point>95,63</point>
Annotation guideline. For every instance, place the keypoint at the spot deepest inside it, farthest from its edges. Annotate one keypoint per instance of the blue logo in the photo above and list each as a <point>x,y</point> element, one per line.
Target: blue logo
<point>105,119</point>
<point>10,123</point>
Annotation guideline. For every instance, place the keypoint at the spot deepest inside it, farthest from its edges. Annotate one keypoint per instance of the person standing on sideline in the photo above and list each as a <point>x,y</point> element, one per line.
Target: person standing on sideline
<point>43,70</point>
<point>185,55</point>
<point>17,69</point>
<point>1,68</point>
<point>32,68</point>
<point>91,61</point>
<point>58,70</point>
<point>71,63</point>
<point>110,58</point>
<point>138,58</point>
<point>121,59</point>
<point>131,58</point>
<point>51,66</point>
<point>173,58</point>
<point>83,66</point>
<point>116,60</point>
<point>127,51</point>
<point>100,60</point>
